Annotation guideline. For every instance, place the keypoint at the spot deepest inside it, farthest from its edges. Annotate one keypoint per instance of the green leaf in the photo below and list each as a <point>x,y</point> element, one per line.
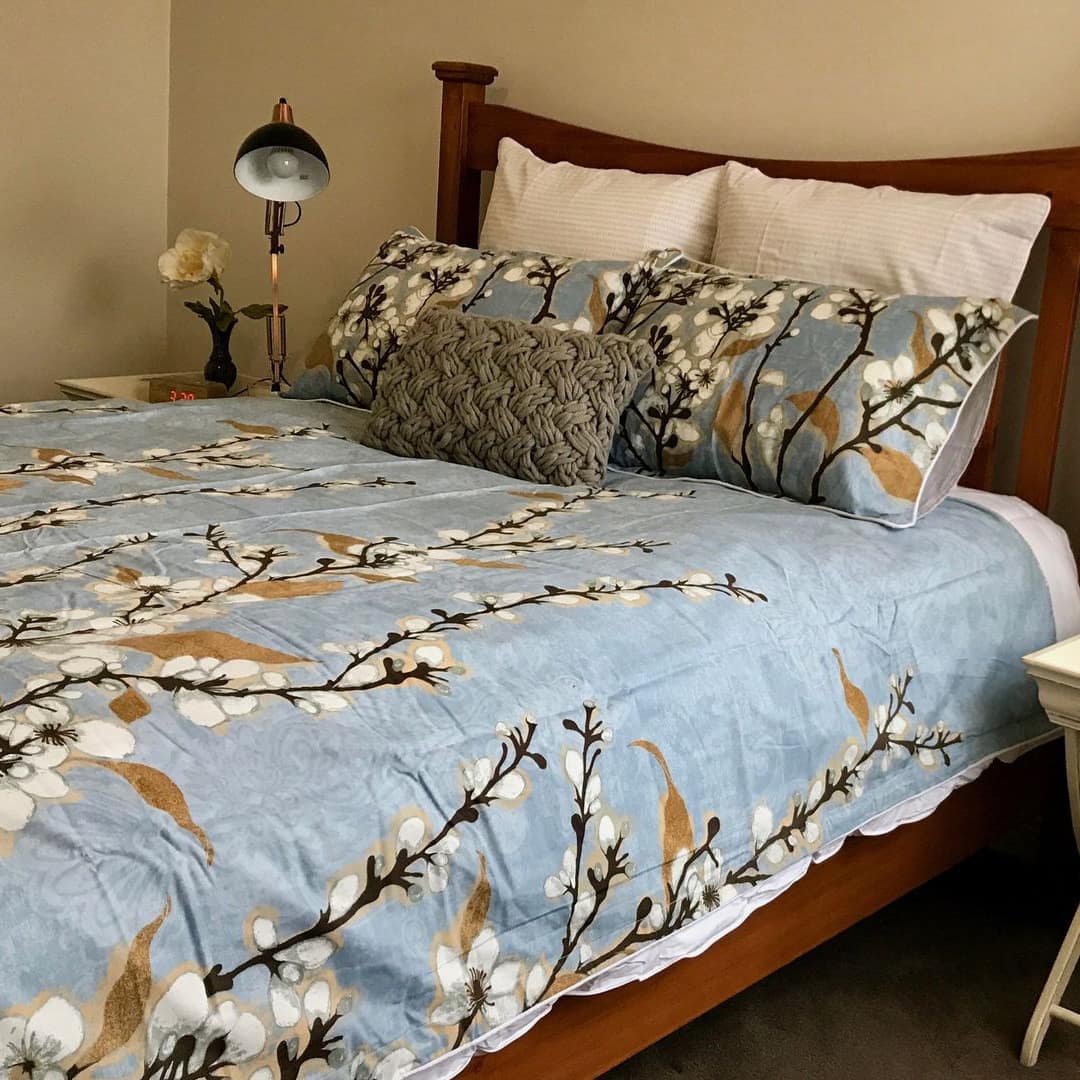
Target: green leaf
<point>225,319</point>
<point>260,311</point>
<point>200,309</point>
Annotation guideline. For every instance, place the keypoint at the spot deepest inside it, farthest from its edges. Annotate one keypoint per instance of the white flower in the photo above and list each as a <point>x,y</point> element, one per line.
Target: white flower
<point>57,726</point>
<point>824,310</point>
<point>606,833</point>
<point>686,431</point>
<point>655,917</point>
<point>478,987</point>
<point>850,305</point>
<point>850,761</point>
<point>770,432</point>
<point>945,392</point>
<point>411,837</point>
<point>695,585</point>
<point>411,834</point>
<point>698,378</point>
<point>394,1066</point>
<point>890,385</point>
<point>934,437</point>
<point>478,775</point>
<point>896,727</point>
<point>147,591</point>
<point>537,979</point>
<point>292,964</point>
<point>575,768</point>
<point>943,323</point>
<point>705,886</point>
<point>26,773</point>
<point>33,1049</point>
<point>343,895</point>
<point>525,265</point>
<point>563,882</point>
<point>184,1013</point>
<point>761,824</point>
<point>284,1000</point>
<point>205,708</point>
<point>440,853</point>
<point>761,827</point>
<point>582,909</point>
<point>309,954</point>
<point>313,702</point>
<point>194,258</point>
<point>264,932</point>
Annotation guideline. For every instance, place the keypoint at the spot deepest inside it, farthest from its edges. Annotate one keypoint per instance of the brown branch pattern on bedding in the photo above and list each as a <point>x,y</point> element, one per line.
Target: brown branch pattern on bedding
<point>476,985</point>
<point>156,599</point>
<point>61,515</point>
<point>262,999</point>
<point>233,452</point>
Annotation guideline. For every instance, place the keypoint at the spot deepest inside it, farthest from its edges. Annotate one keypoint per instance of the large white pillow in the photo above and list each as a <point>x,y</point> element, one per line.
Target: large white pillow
<point>878,238</point>
<point>564,209</point>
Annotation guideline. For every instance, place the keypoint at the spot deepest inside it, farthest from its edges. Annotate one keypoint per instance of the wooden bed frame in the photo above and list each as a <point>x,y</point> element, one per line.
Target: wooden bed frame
<point>583,1036</point>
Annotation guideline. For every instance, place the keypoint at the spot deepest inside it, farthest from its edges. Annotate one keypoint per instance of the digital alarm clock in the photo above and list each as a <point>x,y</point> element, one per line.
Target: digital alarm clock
<point>169,388</point>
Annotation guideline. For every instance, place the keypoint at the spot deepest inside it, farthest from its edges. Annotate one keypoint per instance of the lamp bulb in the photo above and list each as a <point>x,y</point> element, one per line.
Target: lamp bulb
<point>283,164</point>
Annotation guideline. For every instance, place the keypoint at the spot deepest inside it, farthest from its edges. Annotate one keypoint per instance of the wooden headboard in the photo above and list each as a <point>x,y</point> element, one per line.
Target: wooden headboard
<point>471,130</point>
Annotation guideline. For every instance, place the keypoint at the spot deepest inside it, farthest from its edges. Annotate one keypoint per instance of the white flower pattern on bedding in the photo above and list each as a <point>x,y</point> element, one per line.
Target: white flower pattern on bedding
<point>370,755</point>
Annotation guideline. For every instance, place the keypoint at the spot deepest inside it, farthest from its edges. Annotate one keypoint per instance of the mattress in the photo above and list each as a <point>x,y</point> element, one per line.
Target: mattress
<point>309,753</point>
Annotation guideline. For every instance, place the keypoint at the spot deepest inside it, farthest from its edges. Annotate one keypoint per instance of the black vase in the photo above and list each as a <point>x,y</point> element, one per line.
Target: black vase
<point>220,367</point>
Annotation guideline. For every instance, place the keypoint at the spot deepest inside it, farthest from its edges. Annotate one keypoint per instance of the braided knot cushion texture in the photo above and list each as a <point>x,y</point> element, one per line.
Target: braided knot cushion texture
<point>508,396</point>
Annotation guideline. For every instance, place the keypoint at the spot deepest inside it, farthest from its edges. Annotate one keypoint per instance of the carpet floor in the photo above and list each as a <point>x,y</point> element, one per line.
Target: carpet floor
<point>939,984</point>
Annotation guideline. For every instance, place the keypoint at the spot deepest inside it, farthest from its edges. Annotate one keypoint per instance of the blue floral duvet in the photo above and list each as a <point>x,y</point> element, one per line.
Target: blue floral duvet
<point>316,761</point>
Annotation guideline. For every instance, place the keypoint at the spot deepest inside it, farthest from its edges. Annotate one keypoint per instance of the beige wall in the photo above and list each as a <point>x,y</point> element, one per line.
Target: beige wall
<point>833,78</point>
<point>83,130</point>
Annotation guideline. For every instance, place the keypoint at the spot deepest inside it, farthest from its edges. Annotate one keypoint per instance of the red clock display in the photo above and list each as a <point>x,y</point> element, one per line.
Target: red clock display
<point>164,389</point>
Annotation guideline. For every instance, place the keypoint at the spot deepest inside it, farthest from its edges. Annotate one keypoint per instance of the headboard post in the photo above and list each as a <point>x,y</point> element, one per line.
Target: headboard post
<point>1053,348</point>
<point>457,218</point>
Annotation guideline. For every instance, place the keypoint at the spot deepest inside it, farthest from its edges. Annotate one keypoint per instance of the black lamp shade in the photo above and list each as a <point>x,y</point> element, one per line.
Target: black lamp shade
<point>281,162</point>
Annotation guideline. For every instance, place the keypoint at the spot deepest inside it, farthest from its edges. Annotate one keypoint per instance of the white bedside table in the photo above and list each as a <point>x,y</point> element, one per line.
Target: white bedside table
<point>134,387</point>
<point>1056,669</point>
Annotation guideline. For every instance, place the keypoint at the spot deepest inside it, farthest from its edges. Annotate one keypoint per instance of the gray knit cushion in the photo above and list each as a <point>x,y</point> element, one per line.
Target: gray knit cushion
<point>504,395</point>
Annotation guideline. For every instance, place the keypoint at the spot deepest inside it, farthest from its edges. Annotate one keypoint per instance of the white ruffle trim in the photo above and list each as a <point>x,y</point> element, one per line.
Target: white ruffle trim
<point>698,936</point>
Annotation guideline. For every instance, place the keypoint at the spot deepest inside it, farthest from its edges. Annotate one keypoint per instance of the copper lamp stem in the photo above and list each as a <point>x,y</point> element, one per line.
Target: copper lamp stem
<point>275,323</point>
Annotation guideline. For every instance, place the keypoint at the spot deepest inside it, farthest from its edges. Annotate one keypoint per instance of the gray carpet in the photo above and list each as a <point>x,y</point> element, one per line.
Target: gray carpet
<point>940,984</point>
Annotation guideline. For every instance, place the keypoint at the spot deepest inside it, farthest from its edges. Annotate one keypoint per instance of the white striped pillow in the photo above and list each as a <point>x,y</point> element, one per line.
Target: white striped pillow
<point>565,209</point>
<point>878,238</point>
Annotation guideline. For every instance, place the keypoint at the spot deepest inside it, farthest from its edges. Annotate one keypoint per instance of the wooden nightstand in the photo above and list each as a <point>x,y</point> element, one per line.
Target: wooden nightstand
<point>1056,669</point>
<point>134,387</point>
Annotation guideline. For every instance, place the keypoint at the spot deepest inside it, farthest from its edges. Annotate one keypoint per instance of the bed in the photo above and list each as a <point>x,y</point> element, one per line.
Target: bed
<point>319,761</point>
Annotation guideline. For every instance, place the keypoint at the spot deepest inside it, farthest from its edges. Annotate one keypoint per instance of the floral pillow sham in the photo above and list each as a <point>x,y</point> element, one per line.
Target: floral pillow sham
<point>411,274</point>
<point>318,384</point>
<point>864,403</point>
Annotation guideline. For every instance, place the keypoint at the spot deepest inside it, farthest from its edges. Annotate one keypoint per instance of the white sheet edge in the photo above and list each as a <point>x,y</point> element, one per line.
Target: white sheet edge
<point>698,936</point>
<point>1049,544</point>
